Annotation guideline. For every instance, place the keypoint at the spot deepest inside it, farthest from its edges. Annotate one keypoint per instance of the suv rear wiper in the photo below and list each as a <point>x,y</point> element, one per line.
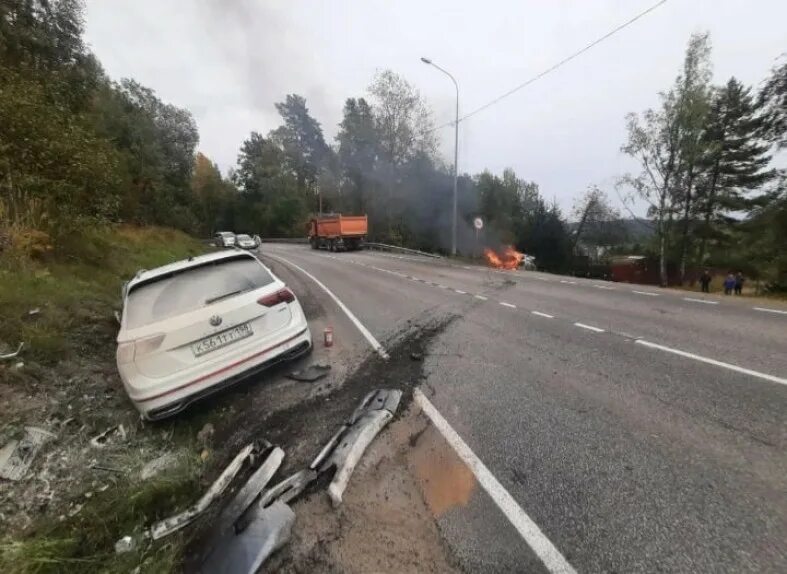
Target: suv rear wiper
<point>219,297</point>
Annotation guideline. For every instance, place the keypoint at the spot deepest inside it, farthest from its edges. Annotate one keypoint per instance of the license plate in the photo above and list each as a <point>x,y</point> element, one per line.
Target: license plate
<point>222,339</point>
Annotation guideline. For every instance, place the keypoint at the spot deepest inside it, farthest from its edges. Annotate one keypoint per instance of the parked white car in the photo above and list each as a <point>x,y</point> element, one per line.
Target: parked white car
<point>224,239</point>
<point>196,326</point>
<point>245,242</point>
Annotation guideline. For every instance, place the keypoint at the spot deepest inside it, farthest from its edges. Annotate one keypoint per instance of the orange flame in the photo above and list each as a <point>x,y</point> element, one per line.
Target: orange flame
<point>508,258</point>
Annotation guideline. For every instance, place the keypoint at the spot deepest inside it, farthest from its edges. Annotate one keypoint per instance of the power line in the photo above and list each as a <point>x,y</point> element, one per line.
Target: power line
<point>554,66</point>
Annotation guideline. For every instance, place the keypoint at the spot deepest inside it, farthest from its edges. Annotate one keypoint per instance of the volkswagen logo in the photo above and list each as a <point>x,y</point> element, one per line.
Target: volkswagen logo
<point>215,320</point>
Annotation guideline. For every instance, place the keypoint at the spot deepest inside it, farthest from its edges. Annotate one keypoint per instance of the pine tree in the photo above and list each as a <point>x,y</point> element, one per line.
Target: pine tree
<point>735,162</point>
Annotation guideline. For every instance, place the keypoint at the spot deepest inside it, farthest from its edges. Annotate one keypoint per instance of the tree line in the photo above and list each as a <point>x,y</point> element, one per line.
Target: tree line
<point>78,149</point>
<point>707,174</point>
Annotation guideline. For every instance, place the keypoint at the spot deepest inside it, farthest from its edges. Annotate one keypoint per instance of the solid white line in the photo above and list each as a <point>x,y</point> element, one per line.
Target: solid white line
<point>504,304</point>
<point>528,530</point>
<point>460,291</point>
<point>480,297</point>
<point>648,293</point>
<point>693,300</point>
<point>766,310</point>
<point>364,331</point>
<point>540,314</point>
<point>589,327</point>
<point>736,368</point>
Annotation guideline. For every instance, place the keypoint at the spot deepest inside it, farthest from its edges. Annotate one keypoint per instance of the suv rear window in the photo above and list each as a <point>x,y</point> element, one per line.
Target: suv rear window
<point>193,288</point>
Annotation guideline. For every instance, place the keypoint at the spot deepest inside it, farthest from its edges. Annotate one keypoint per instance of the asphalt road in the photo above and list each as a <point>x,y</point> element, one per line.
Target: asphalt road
<point>640,429</point>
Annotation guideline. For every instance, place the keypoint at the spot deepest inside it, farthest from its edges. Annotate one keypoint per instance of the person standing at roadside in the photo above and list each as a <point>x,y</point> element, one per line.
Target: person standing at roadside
<point>705,281</point>
<point>739,283</point>
<point>729,284</point>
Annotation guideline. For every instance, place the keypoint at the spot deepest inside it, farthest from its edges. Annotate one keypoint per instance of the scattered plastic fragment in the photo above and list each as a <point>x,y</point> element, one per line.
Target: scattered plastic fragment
<point>17,456</point>
<point>310,373</point>
<point>374,412</point>
<point>169,525</point>
<point>14,354</point>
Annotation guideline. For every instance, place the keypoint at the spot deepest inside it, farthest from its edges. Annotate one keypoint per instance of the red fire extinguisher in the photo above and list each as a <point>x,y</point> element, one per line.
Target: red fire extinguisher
<point>328,334</point>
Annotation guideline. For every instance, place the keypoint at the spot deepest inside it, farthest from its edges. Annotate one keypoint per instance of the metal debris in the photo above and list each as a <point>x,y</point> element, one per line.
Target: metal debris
<point>374,412</point>
<point>34,312</point>
<point>310,373</point>
<point>125,544</point>
<point>101,440</point>
<point>17,456</point>
<point>169,525</point>
<point>14,354</point>
<point>268,530</point>
<point>250,491</point>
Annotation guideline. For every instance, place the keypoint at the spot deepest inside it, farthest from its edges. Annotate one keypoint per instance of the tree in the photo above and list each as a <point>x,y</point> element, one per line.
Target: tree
<point>653,141</point>
<point>773,99</point>
<point>693,94</point>
<point>734,163</point>
<point>301,140</point>
<point>357,139</point>
<point>598,222</point>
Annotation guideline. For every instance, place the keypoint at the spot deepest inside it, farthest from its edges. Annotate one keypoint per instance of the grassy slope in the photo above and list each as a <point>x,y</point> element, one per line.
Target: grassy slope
<point>77,291</point>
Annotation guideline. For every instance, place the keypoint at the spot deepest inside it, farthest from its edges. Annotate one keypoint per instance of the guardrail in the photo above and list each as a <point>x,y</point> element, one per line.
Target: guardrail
<point>396,248</point>
<point>285,240</point>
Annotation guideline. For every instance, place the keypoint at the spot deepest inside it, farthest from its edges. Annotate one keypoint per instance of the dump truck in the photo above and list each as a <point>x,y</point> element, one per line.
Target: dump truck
<point>337,232</point>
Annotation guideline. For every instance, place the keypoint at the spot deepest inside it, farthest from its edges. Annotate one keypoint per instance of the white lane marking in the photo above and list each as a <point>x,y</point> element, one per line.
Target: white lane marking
<point>767,310</point>
<point>648,293</point>
<point>504,304</point>
<point>540,314</point>
<point>364,331</point>
<point>480,297</point>
<point>693,300</point>
<point>460,291</point>
<point>443,286</point>
<point>466,267</point>
<point>528,530</point>
<point>569,282</point>
<point>589,327</point>
<point>702,359</point>
<point>604,287</point>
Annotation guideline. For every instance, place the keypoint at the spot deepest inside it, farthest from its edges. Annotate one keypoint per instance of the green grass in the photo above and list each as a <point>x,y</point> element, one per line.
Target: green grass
<point>85,542</point>
<point>78,286</point>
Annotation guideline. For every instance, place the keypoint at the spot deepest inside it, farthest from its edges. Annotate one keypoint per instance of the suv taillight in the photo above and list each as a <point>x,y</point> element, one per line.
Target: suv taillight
<point>281,296</point>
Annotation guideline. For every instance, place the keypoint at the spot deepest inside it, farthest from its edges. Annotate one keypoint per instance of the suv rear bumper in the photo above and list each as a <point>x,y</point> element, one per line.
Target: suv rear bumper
<point>180,394</point>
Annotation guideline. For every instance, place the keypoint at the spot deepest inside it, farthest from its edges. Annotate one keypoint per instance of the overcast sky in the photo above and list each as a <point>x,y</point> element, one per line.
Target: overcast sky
<point>228,61</point>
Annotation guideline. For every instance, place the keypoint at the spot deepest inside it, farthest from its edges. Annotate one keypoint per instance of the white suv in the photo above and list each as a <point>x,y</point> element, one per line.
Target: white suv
<point>193,327</point>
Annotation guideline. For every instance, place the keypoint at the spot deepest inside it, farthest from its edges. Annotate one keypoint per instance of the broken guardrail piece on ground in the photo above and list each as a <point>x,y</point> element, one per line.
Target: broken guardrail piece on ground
<point>169,525</point>
<point>250,491</point>
<point>346,447</point>
<point>310,373</point>
<point>14,354</point>
<point>268,529</point>
<point>17,455</point>
<point>284,491</point>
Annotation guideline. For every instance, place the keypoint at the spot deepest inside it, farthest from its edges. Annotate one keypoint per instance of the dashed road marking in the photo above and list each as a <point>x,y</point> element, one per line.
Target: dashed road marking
<point>589,327</point>
<point>767,310</point>
<point>443,286</point>
<point>706,301</point>
<point>709,361</point>
<point>648,293</point>
<point>604,287</point>
<point>540,314</point>
<point>480,297</point>
<point>568,282</point>
<point>460,291</point>
<point>527,529</point>
<point>504,304</point>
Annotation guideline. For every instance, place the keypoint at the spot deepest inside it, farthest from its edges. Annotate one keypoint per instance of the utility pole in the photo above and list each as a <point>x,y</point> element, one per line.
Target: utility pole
<point>456,152</point>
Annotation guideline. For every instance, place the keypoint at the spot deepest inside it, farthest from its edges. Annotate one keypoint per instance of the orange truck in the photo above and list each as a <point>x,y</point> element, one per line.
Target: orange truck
<point>338,232</point>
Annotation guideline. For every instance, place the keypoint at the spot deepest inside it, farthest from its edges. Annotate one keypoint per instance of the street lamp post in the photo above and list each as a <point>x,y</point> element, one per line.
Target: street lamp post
<point>456,149</point>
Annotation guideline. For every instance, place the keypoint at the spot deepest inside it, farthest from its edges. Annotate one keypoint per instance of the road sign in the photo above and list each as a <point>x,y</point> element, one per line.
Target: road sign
<point>478,223</point>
